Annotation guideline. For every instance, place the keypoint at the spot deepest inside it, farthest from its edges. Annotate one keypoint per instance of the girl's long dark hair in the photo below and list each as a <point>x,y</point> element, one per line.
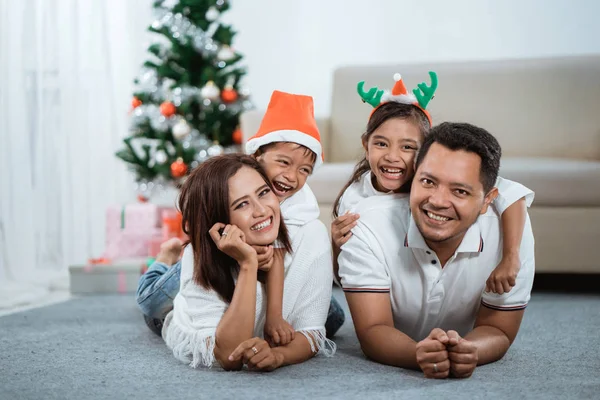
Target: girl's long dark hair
<point>204,201</point>
<point>383,113</point>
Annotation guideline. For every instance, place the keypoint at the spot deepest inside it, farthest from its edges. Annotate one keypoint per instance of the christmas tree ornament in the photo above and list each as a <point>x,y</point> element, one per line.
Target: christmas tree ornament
<point>225,53</point>
<point>215,150</point>
<point>181,130</point>
<point>160,157</point>
<point>229,95</point>
<point>244,92</point>
<point>178,168</point>
<point>201,156</point>
<point>210,91</point>
<point>167,109</point>
<point>237,136</point>
<point>159,123</point>
<point>212,14</point>
<point>135,102</point>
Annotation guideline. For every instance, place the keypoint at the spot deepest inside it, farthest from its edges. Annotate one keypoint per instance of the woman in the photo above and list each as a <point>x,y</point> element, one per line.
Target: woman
<point>228,205</point>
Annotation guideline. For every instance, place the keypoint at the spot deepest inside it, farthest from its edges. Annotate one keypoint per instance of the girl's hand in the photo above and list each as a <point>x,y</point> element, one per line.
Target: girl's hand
<point>258,355</point>
<point>279,331</point>
<point>341,226</point>
<point>504,276</point>
<point>233,243</point>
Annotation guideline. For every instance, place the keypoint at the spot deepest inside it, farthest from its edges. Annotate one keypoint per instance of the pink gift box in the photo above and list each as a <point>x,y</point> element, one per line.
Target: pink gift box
<point>132,229</point>
<point>135,217</point>
<point>126,244</point>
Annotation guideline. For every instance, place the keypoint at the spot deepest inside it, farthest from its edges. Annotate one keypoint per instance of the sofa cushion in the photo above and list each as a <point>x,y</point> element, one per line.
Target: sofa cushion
<point>556,182</point>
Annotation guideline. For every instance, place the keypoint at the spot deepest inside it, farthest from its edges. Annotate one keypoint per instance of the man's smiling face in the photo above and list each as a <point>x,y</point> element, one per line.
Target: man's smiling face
<point>447,195</point>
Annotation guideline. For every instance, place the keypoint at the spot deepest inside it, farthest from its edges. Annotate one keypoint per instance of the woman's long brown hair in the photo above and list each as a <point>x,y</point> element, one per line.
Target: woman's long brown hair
<point>383,113</point>
<point>204,201</point>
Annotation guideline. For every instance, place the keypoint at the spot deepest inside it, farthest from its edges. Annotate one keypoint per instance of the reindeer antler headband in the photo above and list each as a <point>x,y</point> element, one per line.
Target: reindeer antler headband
<point>420,96</point>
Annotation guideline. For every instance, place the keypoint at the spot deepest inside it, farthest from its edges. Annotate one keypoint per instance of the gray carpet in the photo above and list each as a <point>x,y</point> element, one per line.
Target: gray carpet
<point>99,348</point>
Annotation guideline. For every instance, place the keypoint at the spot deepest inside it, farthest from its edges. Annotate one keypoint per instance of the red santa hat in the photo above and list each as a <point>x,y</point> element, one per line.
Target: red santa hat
<point>289,118</point>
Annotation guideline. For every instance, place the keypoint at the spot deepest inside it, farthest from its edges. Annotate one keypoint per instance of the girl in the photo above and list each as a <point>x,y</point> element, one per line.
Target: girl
<point>219,312</point>
<point>396,128</point>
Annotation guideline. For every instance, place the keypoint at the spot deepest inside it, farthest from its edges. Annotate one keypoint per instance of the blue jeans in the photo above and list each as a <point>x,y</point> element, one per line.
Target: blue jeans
<point>160,284</point>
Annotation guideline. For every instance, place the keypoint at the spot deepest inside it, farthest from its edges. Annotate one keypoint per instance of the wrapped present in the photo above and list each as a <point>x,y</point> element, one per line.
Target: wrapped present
<point>138,230</point>
<point>135,217</point>
<point>127,244</point>
<point>172,224</point>
<point>130,229</point>
<point>154,245</point>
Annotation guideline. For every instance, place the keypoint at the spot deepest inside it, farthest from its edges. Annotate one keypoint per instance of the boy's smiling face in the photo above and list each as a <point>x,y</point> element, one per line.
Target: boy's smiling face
<point>287,165</point>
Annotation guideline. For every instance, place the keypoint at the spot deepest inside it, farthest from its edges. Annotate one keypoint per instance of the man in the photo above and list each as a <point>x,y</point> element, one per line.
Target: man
<point>414,271</point>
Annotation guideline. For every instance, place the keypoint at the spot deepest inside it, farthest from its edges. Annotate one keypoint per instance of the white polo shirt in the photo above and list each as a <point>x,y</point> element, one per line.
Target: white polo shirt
<point>387,253</point>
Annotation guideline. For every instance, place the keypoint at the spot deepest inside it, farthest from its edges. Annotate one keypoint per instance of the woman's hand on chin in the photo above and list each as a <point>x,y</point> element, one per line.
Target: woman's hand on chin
<point>231,241</point>
<point>258,355</point>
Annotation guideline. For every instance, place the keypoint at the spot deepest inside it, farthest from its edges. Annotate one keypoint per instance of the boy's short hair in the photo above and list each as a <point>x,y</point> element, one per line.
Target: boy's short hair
<point>307,152</point>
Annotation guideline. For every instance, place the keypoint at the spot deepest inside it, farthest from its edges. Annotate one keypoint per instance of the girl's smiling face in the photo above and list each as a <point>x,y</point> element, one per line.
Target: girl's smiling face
<point>390,151</point>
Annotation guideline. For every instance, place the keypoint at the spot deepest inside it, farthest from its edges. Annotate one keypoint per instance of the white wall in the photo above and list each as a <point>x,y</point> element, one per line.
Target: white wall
<point>294,45</point>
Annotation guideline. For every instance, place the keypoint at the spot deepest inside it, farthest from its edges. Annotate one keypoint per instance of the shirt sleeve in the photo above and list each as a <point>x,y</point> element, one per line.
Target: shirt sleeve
<point>189,330</point>
<point>314,268</point>
<point>510,192</point>
<point>519,295</point>
<point>362,266</point>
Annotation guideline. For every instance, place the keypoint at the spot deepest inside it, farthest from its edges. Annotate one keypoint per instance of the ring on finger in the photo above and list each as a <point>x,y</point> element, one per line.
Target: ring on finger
<point>255,350</point>
<point>435,368</point>
<point>223,234</point>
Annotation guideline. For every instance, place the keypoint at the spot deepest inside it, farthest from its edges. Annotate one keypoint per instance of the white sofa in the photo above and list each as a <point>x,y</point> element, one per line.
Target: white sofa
<point>544,112</point>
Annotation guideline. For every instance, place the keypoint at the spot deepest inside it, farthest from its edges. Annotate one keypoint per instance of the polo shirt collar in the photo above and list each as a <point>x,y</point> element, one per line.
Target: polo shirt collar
<point>472,241</point>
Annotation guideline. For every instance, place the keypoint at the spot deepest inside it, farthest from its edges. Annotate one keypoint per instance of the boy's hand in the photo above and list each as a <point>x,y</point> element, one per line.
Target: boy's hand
<point>341,226</point>
<point>265,257</point>
<point>504,277</point>
<point>279,331</point>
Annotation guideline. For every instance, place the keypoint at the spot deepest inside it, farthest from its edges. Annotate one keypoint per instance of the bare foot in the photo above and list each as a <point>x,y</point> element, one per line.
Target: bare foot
<point>170,251</point>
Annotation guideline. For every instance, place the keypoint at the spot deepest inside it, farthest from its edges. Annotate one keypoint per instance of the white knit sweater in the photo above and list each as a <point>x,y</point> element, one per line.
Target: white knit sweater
<point>189,330</point>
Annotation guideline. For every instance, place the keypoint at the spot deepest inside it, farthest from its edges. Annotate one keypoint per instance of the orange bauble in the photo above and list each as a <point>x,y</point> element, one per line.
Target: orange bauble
<point>178,168</point>
<point>237,136</point>
<point>229,95</point>
<point>167,109</point>
<point>135,102</point>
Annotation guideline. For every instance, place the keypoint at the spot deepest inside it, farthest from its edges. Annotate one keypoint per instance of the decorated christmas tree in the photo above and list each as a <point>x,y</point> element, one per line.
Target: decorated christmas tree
<point>188,99</point>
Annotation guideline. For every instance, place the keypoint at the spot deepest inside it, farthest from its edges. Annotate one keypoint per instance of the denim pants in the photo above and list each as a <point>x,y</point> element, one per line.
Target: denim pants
<point>160,284</point>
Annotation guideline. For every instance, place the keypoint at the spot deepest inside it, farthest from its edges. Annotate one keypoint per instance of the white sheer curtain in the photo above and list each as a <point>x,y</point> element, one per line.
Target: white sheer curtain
<point>66,72</point>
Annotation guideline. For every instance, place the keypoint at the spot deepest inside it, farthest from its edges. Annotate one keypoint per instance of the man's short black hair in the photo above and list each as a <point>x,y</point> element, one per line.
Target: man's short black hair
<point>467,137</point>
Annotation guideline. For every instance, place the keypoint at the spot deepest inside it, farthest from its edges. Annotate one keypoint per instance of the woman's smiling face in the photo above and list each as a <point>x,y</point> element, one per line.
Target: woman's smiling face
<point>253,207</point>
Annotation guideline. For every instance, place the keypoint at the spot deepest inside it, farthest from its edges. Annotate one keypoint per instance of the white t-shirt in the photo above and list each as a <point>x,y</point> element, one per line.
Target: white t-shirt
<point>508,193</point>
<point>189,330</point>
<point>387,253</point>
